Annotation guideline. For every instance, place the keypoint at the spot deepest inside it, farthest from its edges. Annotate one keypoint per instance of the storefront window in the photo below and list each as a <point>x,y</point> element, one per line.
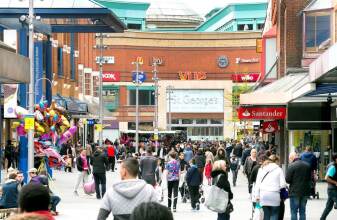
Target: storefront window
<point>318,140</point>
<point>216,121</point>
<point>187,121</point>
<point>175,121</point>
<point>201,121</point>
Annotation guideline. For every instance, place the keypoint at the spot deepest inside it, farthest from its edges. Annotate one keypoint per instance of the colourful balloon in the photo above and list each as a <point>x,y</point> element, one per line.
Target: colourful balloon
<point>39,128</point>
<point>55,118</point>
<point>65,121</point>
<point>67,135</point>
<point>21,130</point>
<point>52,128</point>
<point>38,115</point>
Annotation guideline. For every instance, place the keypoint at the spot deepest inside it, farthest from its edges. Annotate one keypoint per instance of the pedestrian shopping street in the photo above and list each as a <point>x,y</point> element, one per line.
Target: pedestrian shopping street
<point>86,207</point>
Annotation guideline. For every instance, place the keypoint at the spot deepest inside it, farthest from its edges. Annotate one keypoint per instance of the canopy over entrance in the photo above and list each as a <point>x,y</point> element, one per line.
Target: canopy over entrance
<point>61,16</point>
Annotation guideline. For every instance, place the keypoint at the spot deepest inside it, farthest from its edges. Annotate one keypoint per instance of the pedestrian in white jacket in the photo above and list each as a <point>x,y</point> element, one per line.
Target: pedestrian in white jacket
<point>270,180</point>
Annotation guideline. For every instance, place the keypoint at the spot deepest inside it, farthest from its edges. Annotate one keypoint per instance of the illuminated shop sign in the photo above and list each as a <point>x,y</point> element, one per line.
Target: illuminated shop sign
<point>196,101</point>
<point>192,75</point>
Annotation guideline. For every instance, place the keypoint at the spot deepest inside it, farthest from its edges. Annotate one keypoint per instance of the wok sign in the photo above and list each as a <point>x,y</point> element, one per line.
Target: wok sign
<point>111,77</point>
<point>272,113</point>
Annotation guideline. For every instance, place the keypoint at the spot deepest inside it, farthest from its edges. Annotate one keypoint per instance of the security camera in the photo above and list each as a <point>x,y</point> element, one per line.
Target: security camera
<point>23,18</point>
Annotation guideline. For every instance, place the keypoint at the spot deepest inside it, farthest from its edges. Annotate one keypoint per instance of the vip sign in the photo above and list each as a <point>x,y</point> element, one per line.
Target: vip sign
<point>251,77</point>
<point>111,77</point>
<point>192,75</point>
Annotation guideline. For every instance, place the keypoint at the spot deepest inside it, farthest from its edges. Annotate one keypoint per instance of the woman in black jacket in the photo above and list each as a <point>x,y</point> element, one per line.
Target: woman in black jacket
<point>219,169</point>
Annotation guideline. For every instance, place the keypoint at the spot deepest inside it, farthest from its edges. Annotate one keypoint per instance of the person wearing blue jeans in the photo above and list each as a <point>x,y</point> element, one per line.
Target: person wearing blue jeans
<point>54,201</point>
<point>298,176</point>
<point>331,178</point>
<point>223,216</point>
<point>298,204</point>
<point>271,212</point>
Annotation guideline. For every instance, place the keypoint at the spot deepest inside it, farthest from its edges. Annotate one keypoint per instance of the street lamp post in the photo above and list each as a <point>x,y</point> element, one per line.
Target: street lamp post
<point>100,91</point>
<point>137,104</point>
<point>31,84</point>
<point>169,90</point>
<point>36,84</point>
<point>156,79</point>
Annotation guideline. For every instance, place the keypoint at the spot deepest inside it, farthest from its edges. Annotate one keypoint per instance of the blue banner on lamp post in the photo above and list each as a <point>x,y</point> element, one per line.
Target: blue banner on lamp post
<point>38,70</point>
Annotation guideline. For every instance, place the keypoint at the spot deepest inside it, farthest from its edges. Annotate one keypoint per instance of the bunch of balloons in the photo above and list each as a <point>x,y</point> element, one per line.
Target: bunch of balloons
<point>51,123</point>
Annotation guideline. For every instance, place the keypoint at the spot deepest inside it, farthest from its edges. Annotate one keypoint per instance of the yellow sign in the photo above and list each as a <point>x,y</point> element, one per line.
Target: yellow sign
<point>155,137</point>
<point>259,46</point>
<point>98,127</point>
<point>29,123</point>
<point>140,60</point>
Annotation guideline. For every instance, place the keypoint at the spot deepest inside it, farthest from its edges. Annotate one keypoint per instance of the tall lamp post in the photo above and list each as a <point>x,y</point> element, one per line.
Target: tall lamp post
<point>169,91</point>
<point>136,81</point>
<point>36,84</point>
<point>156,94</point>
<point>31,84</point>
<point>101,90</point>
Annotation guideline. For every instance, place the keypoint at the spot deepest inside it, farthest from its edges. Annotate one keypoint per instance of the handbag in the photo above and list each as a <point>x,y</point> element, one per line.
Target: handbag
<point>284,194</point>
<point>258,213</point>
<point>89,187</point>
<point>217,198</point>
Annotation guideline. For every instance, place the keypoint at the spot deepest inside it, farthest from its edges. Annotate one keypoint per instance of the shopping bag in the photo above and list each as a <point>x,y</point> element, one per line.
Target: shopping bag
<point>159,192</point>
<point>89,187</point>
<point>217,198</point>
<point>258,213</point>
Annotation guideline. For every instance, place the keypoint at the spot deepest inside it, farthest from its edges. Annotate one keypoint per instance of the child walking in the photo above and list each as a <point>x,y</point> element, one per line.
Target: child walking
<point>234,166</point>
<point>194,180</point>
<point>208,171</point>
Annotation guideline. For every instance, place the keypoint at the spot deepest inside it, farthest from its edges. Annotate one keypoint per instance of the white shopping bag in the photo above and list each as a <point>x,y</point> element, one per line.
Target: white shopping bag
<point>258,214</point>
<point>159,192</point>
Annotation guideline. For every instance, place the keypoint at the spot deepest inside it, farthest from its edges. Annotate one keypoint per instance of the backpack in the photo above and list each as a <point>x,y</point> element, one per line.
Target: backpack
<point>217,200</point>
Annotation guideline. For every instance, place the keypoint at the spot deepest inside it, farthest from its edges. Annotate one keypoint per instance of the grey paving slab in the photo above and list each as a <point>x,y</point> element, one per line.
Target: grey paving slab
<point>86,207</point>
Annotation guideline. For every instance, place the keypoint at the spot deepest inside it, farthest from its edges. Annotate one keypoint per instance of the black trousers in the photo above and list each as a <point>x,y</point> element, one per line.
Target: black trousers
<point>172,186</point>
<point>100,179</point>
<point>195,195</point>
<point>112,163</point>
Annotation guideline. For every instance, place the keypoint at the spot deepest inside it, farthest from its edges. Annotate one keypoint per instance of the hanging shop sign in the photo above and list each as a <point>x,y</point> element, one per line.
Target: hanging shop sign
<point>244,60</point>
<point>270,127</point>
<point>106,59</point>
<point>10,100</point>
<point>111,77</point>
<point>141,77</point>
<point>158,60</point>
<point>192,75</point>
<point>271,113</point>
<point>250,77</point>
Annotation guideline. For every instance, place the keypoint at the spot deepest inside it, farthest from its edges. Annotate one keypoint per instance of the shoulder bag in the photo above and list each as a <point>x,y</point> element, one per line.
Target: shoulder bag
<point>217,198</point>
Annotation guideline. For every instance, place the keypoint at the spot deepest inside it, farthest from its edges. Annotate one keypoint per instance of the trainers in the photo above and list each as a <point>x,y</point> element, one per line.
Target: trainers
<point>197,206</point>
<point>174,209</point>
<point>75,193</point>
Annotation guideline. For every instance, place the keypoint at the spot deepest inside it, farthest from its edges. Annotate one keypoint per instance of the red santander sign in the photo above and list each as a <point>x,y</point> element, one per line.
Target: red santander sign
<point>251,77</point>
<point>267,113</point>
<point>111,77</point>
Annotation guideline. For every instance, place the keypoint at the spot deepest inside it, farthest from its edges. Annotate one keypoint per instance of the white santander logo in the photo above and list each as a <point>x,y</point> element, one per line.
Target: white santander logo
<point>246,113</point>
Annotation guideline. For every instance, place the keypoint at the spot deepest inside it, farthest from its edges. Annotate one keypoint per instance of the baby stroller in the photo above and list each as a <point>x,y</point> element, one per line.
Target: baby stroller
<point>202,196</point>
<point>183,188</point>
<point>314,179</point>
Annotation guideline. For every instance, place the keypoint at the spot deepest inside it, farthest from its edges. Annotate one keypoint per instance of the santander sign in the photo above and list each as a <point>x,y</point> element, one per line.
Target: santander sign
<point>111,77</point>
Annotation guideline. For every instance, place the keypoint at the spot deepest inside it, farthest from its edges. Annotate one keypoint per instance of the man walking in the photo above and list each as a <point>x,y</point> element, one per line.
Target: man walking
<point>99,164</point>
<point>298,176</point>
<point>111,156</point>
<point>148,167</point>
<point>83,169</point>
<point>331,178</point>
<point>126,194</point>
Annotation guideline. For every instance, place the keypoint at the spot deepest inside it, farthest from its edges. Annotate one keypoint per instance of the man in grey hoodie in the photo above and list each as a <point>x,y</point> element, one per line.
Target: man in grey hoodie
<point>126,194</point>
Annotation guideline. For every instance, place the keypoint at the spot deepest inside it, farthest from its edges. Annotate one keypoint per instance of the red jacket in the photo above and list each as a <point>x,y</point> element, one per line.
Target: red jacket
<point>208,170</point>
<point>111,151</point>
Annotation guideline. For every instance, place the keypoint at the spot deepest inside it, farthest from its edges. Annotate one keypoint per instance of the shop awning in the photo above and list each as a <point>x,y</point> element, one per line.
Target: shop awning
<point>280,92</point>
<point>72,105</point>
<point>14,68</point>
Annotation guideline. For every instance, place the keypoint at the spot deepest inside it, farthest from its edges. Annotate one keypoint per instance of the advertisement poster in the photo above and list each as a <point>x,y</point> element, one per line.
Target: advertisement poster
<point>10,100</point>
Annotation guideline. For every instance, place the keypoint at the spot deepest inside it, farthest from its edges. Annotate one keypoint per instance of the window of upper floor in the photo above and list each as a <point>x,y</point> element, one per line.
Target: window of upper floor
<point>317,31</point>
<point>245,27</point>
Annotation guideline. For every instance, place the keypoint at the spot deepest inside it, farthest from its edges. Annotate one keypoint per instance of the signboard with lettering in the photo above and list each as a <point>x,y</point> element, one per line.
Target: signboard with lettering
<point>158,60</point>
<point>272,113</point>
<point>247,60</point>
<point>192,75</point>
<point>111,77</point>
<point>29,122</point>
<point>250,77</point>
<point>196,101</point>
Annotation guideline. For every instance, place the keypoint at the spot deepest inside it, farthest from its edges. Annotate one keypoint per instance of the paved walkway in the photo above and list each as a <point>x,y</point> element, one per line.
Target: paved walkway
<point>86,207</point>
